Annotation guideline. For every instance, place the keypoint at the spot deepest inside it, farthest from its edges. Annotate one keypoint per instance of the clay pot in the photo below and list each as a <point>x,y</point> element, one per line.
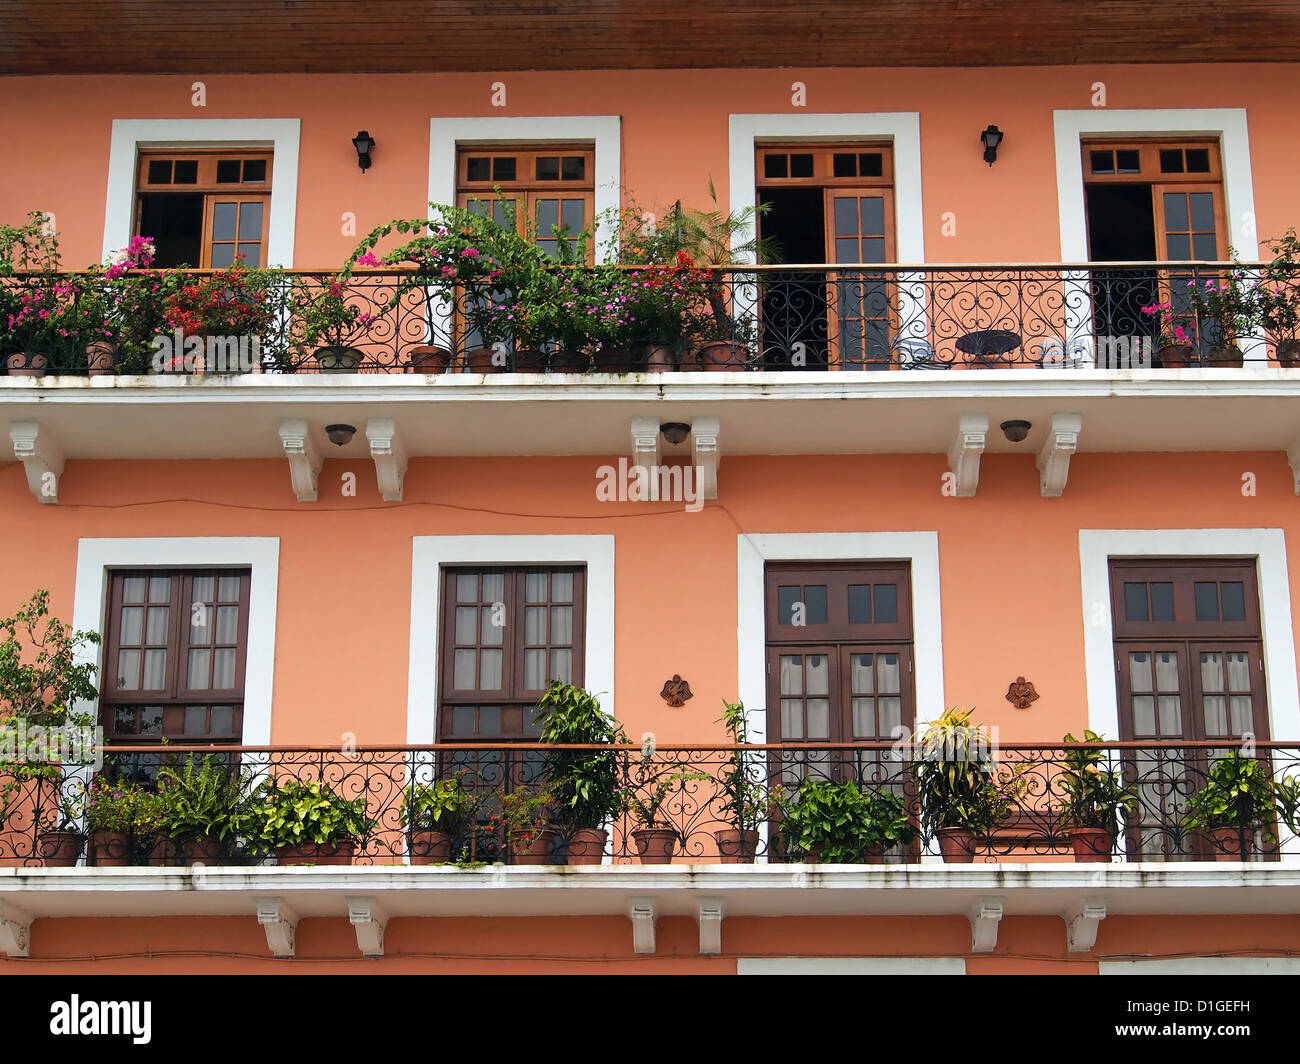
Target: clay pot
<point>655,845</point>
<point>429,359</point>
<point>430,847</point>
<point>722,355</point>
<point>1091,845</point>
<point>527,360</point>
<point>101,358</point>
<point>957,845</point>
<point>1227,355</point>
<point>1177,356</point>
<point>618,359</point>
<point>659,359</point>
<point>164,852</point>
<point>109,849</point>
<point>538,851</point>
<point>571,362</point>
<point>1288,353</point>
<point>332,853</point>
<point>737,847</point>
<point>587,846</point>
<point>874,855</point>
<point>59,849</point>
<point>26,364</point>
<point>338,359</point>
<point>206,850</point>
<point>479,360</point>
<point>1225,843</point>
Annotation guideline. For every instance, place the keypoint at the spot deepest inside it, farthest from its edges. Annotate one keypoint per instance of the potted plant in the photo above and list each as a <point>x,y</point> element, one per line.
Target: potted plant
<point>235,303</point>
<point>1226,309</point>
<point>524,823</point>
<point>583,783</point>
<point>962,796</point>
<point>746,800</point>
<point>436,815</point>
<point>1094,800</point>
<point>838,822</point>
<point>59,842</point>
<point>1174,345</point>
<point>111,811</point>
<point>36,305</point>
<point>1278,298</point>
<point>203,807</point>
<point>644,800</point>
<point>330,321</point>
<point>1237,799</point>
<point>308,822</point>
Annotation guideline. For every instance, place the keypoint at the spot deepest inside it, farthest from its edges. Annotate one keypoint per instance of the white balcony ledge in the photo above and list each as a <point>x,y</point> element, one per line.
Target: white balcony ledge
<point>767,413</point>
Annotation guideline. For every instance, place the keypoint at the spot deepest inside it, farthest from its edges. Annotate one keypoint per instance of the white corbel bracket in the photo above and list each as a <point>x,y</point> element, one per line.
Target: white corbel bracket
<point>710,921</point>
<point>1054,459</point>
<point>984,917</point>
<point>1081,923</point>
<point>964,454</point>
<point>643,915</point>
<point>389,456</point>
<point>15,930</point>
<point>706,455</point>
<point>369,921</point>
<point>647,453</point>
<point>280,924</point>
<point>304,457</point>
<point>1293,457</point>
<point>41,458</point>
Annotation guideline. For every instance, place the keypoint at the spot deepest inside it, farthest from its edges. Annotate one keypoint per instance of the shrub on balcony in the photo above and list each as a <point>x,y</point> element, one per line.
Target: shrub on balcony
<point>307,820</point>
<point>1238,798</point>
<point>1094,800</point>
<point>838,822</point>
<point>1278,298</point>
<point>436,815</point>
<point>203,805</point>
<point>746,798</point>
<point>236,302</point>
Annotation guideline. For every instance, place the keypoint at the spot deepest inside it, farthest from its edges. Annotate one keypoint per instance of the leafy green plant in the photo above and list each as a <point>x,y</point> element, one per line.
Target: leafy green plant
<point>1278,294</point>
<point>583,783</point>
<point>746,798</point>
<point>307,812</point>
<point>204,798</point>
<point>441,805</point>
<point>1092,796</point>
<point>1288,802</point>
<point>525,813</point>
<point>1238,792</point>
<point>114,805</point>
<point>836,820</point>
<point>958,783</point>
<point>65,815</point>
<point>324,314</point>
<point>652,785</point>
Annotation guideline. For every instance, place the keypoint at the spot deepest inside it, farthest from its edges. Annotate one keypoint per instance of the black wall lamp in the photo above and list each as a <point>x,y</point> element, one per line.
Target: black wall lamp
<point>365,144</point>
<point>1015,431</point>
<point>991,138</point>
<point>675,431</point>
<point>340,435</point>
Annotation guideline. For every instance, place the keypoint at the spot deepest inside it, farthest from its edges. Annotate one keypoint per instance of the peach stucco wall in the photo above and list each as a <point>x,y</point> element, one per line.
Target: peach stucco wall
<point>1009,563</point>
<point>674,137</point>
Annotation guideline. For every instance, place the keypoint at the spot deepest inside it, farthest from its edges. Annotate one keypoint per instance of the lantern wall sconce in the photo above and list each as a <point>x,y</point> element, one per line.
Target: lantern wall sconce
<point>365,144</point>
<point>991,138</point>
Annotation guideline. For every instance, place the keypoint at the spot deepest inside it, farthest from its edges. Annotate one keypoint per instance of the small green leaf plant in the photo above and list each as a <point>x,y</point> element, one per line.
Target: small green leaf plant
<point>1238,793</point>
<point>1093,796</point>
<point>444,805</point>
<point>838,821</point>
<point>584,784</point>
<point>298,813</point>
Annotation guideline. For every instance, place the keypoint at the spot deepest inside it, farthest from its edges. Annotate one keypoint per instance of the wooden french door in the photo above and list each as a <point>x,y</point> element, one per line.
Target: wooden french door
<point>858,227</point>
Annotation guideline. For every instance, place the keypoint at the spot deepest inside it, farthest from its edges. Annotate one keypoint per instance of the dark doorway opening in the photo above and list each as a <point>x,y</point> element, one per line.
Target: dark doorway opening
<point>793,305</point>
<point>1122,228</point>
<point>176,224</point>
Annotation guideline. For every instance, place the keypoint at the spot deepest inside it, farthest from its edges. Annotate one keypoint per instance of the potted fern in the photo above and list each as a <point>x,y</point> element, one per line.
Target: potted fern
<point>203,806</point>
<point>1094,801</point>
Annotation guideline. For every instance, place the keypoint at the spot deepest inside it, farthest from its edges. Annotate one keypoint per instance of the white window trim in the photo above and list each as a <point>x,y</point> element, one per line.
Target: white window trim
<point>605,131</point>
<point>919,548</point>
<point>95,557</point>
<point>130,135</point>
<point>1227,124</point>
<point>1266,545</point>
<point>903,128</point>
<point>851,966</point>
<point>431,554</point>
<point>1149,966</point>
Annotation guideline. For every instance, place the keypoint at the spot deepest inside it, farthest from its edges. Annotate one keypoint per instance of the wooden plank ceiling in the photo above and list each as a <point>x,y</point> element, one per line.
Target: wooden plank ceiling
<point>392,36</point>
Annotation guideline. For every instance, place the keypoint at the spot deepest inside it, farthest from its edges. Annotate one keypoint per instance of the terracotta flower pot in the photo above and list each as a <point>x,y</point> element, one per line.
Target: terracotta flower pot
<point>874,855</point>
<point>571,362</point>
<point>27,364</point>
<point>1177,356</point>
<point>737,847</point>
<point>101,358</point>
<point>655,845</point>
<point>109,849</point>
<point>430,847</point>
<point>1091,845</point>
<point>620,359</point>
<point>957,845</point>
<point>538,849</point>
<point>1288,353</point>
<point>721,355</point>
<point>526,360</point>
<point>659,359</point>
<point>338,359</point>
<point>429,359</point>
<point>587,846</point>
<point>206,850</point>
<point>59,849</point>
<point>330,853</point>
<point>1225,843</point>
<point>480,361</point>
<point>164,851</point>
<point>1227,355</point>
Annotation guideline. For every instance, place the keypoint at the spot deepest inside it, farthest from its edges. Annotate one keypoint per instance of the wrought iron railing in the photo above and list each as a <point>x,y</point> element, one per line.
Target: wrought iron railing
<point>1084,317</point>
<point>696,787</point>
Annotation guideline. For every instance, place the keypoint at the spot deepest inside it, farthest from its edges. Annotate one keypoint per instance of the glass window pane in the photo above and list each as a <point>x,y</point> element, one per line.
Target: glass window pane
<point>571,217</point>
<point>886,596</point>
<point>223,720</point>
<point>227,171</point>
<point>1127,161</point>
<point>561,624</point>
<point>160,589</point>
<point>1243,717</point>
<point>535,587</point>
<point>1166,671</point>
<point>1139,672</point>
<point>1135,602</point>
<point>791,718</point>
<point>873,250</point>
<point>223,668</point>
<point>819,718</point>
<point>864,718</point>
<point>494,587</point>
<point>1207,601</point>
<point>490,670</point>
<point>491,626</point>
<point>504,168</point>
<point>186,172</point>
<point>1205,247</point>
<point>801,165</point>
<point>203,589</point>
<point>1171,715</point>
<point>1180,247</point>
<point>1212,672</point>
<point>1202,211</point>
<point>535,625</point>
<point>223,221</point>
<point>1176,211</point>
<point>818,674</point>
<point>791,674</point>
<point>478,168</point>
<point>489,720</point>
<point>871,164</point>
<point>251,254</point>
<point>155,670</point>
<point>846,250</point>
<point>846,216</point>
<point>534,670</point>
<point>466,625</point>
<point>889,675</point>
<point>860,604</point>
<point>1238,671</point>
<point>157,631</point>
<point>462,720</point>
<point>250,221</point>
<point>1144,715</point>
<point>199,669</point>
<point>223,255</point>
<point>844,164</point>
<point>133,588</point>
<point>228,588</point>
<point>227,624</point>
<point>1171,161</point>
<point>815,604</point>
<point>548,168</point>
<point>128,669</point>
<point>196,720</point>
<point>548,217</point>
<point>467,587</point>
<point>151,720</point>
<point>463,670</point>
<point>1103,162</point>
<point>561,665</point>
<point>775,165</point>
<point>1198,160</point>
<point>254,173</point>
<point>561,587</point>
<point>573,168</point>
<point>891,716</point>
<point>160,172</point>
<point>862,673</point>
<point>1216,715</point>
<point>786,598</point>
<point>1162,602</point>
<point>873,216</point>
<point>132,624</point>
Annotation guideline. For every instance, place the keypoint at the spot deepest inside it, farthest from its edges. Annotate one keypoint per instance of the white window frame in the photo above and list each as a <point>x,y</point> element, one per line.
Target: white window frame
<point>430,555</point>
<point>921,549</point>
<point>261,555</point>
<point>132,135</point>
<point>1267,545</point>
